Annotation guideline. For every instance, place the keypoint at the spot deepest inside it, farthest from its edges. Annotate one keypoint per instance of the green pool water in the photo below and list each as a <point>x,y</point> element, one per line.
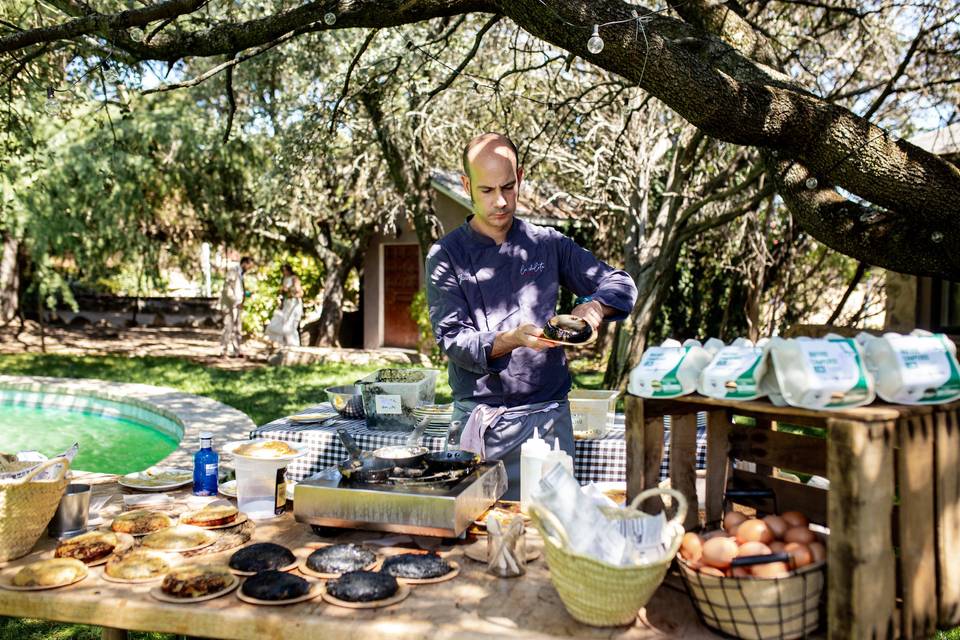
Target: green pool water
<point>108,444</point>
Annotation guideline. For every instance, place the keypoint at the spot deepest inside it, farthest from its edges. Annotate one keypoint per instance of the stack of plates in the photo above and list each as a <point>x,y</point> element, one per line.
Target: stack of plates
<point>440,416</point>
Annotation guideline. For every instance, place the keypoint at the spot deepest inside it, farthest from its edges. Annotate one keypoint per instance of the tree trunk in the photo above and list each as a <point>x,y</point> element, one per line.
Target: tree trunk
<point>325,331</point>
<point>9,279</point>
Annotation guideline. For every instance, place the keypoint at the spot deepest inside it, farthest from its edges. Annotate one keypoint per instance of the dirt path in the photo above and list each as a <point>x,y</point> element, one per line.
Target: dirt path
<point>199,345</point>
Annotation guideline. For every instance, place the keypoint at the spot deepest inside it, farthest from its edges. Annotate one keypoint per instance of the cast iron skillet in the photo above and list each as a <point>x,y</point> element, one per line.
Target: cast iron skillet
<point>410,454</point>
<point>360,466</point>
<point>453,459</point>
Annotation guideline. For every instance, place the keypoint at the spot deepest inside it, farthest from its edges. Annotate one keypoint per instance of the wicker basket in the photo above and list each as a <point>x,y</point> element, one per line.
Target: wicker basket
<point>597,593</point>
<point>758,608</point>
<point>26,507</point>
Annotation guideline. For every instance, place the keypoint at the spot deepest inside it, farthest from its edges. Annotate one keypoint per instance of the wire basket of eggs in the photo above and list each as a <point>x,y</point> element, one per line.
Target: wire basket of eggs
<point>756,578</point>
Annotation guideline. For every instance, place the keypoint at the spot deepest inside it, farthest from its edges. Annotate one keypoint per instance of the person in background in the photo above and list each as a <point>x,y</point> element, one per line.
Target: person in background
<point>231,303</point>
<point>284,327</point>
<point>492,284</point>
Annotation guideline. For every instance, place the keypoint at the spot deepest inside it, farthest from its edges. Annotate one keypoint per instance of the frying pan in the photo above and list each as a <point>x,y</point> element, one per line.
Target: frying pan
<point>410,454</point>
<point>453,459</point>
<point>360,466</point>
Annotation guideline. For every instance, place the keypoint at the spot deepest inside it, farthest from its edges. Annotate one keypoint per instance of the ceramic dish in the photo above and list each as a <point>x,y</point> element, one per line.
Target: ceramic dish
<point>158,593</point>
<point>296,450</point>
<point>402,592</point>
<point>157,479</point>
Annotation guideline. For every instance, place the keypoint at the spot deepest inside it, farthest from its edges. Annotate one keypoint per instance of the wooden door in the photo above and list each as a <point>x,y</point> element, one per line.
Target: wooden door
<point>401,281</point>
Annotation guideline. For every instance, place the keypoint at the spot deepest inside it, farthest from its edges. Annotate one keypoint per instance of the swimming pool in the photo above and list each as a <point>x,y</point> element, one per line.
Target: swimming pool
<point>114,437</point>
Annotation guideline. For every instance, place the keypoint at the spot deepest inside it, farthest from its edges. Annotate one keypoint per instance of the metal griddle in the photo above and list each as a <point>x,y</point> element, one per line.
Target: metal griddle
<point>444,510</point>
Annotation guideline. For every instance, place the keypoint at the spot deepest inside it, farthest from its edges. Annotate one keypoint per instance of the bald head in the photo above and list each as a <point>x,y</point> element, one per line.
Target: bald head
<point>485,145</point>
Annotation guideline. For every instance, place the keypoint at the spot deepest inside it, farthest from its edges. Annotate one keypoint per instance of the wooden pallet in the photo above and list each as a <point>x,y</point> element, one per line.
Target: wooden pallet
<point>893,507</point>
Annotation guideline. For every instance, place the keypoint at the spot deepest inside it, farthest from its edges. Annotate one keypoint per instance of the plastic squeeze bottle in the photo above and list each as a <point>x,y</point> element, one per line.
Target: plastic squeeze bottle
<point>557,456</point>
<point>533,454</point>
<point>206,464</point>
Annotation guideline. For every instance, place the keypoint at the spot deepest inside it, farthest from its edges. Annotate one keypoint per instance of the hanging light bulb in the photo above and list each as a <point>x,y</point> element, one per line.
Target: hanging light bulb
<point>811,183</point>
<point>330,18</point>
<point>894,138</point>
<point>111,75</point>
<point>936,237</point>
<point>51,104</point>
<point>595,43</point>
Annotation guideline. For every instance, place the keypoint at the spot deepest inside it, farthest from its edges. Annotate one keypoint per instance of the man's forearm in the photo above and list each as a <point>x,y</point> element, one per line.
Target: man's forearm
<point>502,344</point>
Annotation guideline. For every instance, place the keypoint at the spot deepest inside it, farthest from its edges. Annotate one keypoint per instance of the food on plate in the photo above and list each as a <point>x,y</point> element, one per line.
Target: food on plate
<point>265,449</point>
<point>567,328</point>
<point>138,564</point>
<point>195,581</point>
<point>141,521</point>
<point>340,558</point>
<point>363,586</point>
<point>176,539</point>
<point>211,516</point>
<point>88,547</point>
<point>157,478</point>
<point>275,585</point>
<point>50,573</point>
<point>418,566</point>
<point>262,556</point>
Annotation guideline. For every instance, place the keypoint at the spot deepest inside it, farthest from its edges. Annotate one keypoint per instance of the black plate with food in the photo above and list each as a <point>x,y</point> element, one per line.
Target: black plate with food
<point>334,560</point>
<point>277,588</point>
<point>365,590</point>
<point>568,330</point>
<point>262,556</point>
<point>420,568</point>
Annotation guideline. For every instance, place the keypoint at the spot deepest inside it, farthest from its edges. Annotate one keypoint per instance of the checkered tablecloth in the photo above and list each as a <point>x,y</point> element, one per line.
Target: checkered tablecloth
<point>600,460</point>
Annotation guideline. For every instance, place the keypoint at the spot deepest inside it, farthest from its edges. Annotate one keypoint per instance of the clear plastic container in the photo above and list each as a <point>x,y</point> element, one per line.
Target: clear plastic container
<point>592,411</point>
<point>391,395</point>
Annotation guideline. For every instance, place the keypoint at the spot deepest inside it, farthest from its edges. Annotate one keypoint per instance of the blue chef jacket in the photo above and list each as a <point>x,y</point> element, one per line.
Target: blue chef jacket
<point>476,289</point>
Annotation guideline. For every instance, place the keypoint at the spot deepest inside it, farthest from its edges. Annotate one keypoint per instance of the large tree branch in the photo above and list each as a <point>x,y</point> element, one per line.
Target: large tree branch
<point>705,78</point>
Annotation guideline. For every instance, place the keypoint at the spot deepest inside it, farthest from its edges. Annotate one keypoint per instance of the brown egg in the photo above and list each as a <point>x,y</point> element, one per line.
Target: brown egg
<point>740,572</point>
<point>718,552</point>
<point>795,519</point>
<point>777,525</point>
<point>691,547</point>
<point>776,546</point>
<point>754,530</point>
<point>770,570</point>
<point>818,551</point>
<point>731,520</point>
<point>800,554</point>
<point>712,571</point>
<point>753,549</point>
<point>799,534</point>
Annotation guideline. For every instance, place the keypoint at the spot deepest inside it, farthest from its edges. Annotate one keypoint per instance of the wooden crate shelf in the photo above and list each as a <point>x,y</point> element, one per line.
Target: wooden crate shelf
<point>893,507</point>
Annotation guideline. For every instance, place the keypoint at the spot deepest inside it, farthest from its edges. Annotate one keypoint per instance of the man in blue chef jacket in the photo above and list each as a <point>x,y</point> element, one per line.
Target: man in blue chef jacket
<point>492,284</point>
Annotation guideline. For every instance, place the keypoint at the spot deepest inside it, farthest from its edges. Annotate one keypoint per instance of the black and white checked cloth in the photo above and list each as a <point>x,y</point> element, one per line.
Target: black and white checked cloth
<point>600,460</point>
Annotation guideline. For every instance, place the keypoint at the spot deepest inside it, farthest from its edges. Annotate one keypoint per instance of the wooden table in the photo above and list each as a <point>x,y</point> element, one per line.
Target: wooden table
<point>473,605</point>
<point>893,569</point>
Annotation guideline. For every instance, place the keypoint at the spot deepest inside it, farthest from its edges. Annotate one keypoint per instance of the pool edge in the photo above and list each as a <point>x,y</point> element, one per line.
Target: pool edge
<point>194,413</point>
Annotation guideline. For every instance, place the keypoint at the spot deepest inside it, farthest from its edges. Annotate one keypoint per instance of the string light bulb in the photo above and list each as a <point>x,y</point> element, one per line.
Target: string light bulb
<point>936,237</point>
<point>894,138</point>
<point>595,43</point>
<point>51,104</point>
<point>330,18</point>
<point>811,183</point>
<point>111,75</point>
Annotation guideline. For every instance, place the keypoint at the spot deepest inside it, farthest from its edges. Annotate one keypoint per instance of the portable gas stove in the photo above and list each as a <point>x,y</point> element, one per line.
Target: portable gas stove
<point>432,504</point>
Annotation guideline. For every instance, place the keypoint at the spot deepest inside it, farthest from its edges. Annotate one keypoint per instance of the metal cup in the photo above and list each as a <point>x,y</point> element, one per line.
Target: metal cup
<point>71,516</point>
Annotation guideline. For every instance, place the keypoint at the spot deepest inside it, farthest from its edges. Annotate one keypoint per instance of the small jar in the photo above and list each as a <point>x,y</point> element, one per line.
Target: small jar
<point>506,547</point>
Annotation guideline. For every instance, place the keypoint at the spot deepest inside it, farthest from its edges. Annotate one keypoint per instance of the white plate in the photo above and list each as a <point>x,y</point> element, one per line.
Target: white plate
<point>299,449</point>
<point>157,479</point>
<point>229,489</point>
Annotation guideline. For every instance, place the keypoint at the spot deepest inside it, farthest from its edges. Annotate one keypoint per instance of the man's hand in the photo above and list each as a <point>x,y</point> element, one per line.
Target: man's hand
<point>593,312</point>
<point>526,335</point>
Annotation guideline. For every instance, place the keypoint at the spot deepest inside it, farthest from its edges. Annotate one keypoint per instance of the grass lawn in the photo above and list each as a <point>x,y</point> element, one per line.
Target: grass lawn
<point>264,394</point>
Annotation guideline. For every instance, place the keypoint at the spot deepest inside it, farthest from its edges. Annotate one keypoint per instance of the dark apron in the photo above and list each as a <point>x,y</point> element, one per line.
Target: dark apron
<point>503,441</point>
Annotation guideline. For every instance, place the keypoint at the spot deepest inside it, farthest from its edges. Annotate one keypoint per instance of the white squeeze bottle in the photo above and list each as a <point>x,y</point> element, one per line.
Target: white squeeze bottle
<point>533,453</point>
<point>557,456</point>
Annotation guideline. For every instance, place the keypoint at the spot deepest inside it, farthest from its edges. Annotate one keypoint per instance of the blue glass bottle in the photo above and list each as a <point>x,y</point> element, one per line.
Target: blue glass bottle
<point>206,463</point>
